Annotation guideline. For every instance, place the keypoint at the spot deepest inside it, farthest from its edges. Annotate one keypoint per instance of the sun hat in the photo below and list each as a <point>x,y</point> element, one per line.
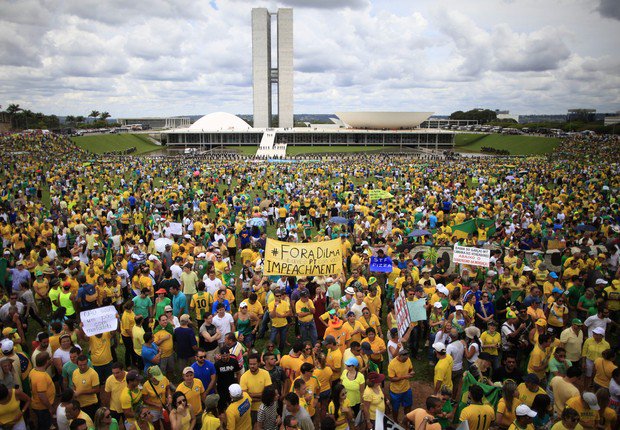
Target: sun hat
<point>376,378</point>
<point>161,291</point>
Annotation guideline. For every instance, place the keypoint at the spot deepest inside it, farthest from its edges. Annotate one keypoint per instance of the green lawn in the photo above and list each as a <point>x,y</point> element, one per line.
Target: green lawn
<point>115,142</point>
<point>517,145</point>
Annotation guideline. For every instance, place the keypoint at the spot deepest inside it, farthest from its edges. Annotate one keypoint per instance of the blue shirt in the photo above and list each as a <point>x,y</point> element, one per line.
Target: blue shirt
<point>179,302</point>
<point>87,290</point>
<point>148,352</point>
<point>204,373</point>
<point>214,307</point>
<point>19,276</point>
<point>184,340</point>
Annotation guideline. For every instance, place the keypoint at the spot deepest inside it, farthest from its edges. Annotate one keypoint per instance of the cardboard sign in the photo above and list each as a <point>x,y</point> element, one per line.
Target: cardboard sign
<point>472,256</point>
<point>303,259</point>
<point>417,310</point>
<point>175,229</point>
<point>402,313</point>
<point>383,422</point>
<point>100,320</point>
<point>383,265</point>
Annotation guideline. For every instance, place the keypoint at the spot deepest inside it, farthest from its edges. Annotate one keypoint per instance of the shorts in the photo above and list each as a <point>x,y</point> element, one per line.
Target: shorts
<point>325,395</point>
<point>401,399</point>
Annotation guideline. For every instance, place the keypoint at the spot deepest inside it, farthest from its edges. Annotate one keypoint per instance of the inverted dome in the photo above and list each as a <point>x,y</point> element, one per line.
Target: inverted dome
<point>220,121</point>
<point>383,120</point>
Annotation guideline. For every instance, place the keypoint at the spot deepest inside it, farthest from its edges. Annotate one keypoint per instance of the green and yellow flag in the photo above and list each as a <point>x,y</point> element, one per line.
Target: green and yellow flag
<point>379,195</point>
<point>462,230</point>
<point>491,393</point>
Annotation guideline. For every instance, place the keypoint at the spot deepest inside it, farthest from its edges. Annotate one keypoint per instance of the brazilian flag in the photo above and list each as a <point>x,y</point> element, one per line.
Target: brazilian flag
<point>491,397</point>
<point>462,230</point>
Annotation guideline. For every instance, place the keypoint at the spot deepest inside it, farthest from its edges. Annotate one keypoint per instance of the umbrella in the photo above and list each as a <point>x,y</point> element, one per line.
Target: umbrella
<point>418,233</point>
<point>584,227</point>
<point>338,220</point>
<point>160,244</point>
<point>256,222</point>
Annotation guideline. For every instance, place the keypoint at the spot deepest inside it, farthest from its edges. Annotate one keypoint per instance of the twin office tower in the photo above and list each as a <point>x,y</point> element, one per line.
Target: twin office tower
<point>264,74</point>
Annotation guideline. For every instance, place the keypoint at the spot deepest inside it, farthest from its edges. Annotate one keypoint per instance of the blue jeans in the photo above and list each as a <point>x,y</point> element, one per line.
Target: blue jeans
<point>308,331</point>
<point>282,332</point>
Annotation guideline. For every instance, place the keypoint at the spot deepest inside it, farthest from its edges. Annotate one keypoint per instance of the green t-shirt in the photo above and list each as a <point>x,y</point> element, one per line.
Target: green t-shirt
<point>574,293</point>
<point>159,307</point>
<point>446,408</point>
<point>555,366</point>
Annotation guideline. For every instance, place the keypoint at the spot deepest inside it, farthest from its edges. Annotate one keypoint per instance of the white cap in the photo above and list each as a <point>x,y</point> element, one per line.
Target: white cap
<point>76,258</point>
<point>6,345</point>
<point>439,347</point>
<point>349,290</point>
<point>235,391</point>
<point>527,269</point>
<point>329,280</point>
<point>599,330</point>
<point>141,241</point>
<point>438,305</point>
<point>187,236</point>
<point>364,243</point>
<point>601,281</point>
<point>523,410</point>
<point>152,257</point>
<point>458,307</point>
<point>591,400</point>
<point>443,290</point>
<point>136,256</point>
<point>201,255</point>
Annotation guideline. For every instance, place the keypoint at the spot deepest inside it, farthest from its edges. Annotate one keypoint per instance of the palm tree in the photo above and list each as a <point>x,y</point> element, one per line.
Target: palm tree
<point>94,114</point>
<point>12,110</point>
<point>80,119</point>
<point>104,115</point>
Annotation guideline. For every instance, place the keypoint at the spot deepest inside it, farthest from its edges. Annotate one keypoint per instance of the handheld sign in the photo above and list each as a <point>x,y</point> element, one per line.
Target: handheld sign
<point>303,259</point>
<point>100,320</point>
<point>472,256</point>
<point>380,264</point>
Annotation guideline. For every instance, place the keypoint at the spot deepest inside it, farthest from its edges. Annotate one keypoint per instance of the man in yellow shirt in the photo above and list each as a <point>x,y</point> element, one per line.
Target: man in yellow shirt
<point>131,397</point>
<point>587,406</point>
<point>529,389</point>
<point>114,386</point>
<point>478,415</point>
<point>238,413</point>
<point>443,368</point>
<point>86,383</point>
<point>162,337</point>
<point>253,382</point>
<point>304,309</point>
<point>193,389</point>
<point>400,371</point>
<point>334,356</point>
<point>43,391</point>
<point>540,355</point>
<point>279,310</point>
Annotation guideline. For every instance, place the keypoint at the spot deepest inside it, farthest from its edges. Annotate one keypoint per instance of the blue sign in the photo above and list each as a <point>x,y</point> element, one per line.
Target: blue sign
<point>381,264</point>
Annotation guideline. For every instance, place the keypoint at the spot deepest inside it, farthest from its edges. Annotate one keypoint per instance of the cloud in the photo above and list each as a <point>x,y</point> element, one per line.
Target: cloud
<point>609,9</point>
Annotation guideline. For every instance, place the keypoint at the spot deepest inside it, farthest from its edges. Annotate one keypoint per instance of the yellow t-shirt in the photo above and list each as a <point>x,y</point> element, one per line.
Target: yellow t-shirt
<point>41,382</point>
<point>193,394</point>
<point>526,396</point>
<point>509,414</point>
<point>282,308</point>
<point>100,349</point>
<point>129,399</point>
<point>539,357</point>
<point>308,306</point>
<point>334,361</point>
<point>152,394</point>
<point>376,400</point>
<point>487,338</point>
<point>201,302</point>
<point>324,376</point>
<point>602,371</point>
<point>443,372</point>
<point>114,387</point>
<point>586,415</point>
<point>291,365</point>
<point>398,368</point>
<point>86,380</point>
<point>167,346</point>
<point>238,414</point>
<point>331,409</point>
<point>478,417</point>
<point>255,384</point>
<point>592,349</point>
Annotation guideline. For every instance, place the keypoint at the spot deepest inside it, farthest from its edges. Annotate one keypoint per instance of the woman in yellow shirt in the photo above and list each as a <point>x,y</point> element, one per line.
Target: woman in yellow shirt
<point>505,412</point>
<point>339,408</point>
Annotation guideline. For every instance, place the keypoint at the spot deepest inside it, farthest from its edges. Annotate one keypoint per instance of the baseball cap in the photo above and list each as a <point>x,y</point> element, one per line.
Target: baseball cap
<point>376,378</point>
<point>188,370</point>
<point>156,373</point>
<point>235,390</point>
<point>524,410</point>
<point>601,281</point>
<point>351,361</point>
<point>438,305</point>
<point>366,348</point>
<point>527,269</point>
<point>133,375</point>
<point>458,307</point>
<point>212,401</point>
<point>203,255</point>
<point>553,275</point>
<point>557,290</point>
<point>439,347</point>
<point>243,305</point>
<point>541,322</point>
<point>329,339</point>
<point>599,330</point>
<point>329,280</point>
<point>591,400</point>
<point>403,352</point>
<point>577,321</point>
<point>6,346</point>
<point>372,280</point>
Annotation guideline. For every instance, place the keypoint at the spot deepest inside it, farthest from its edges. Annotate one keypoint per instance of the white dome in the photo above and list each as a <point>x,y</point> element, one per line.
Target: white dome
<point>220,121</point>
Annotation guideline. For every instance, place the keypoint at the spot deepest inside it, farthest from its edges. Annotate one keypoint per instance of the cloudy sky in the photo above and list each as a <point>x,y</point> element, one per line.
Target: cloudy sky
<point>181,57</point>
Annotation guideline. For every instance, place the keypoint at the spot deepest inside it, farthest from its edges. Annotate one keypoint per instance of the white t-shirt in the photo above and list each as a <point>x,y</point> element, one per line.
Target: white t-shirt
<point>457,350</point>
<point>474,357</point>
<point>212,286</point>
<point>392,344</point>
<point>614,390</point>
<point>595,322</point>
<point>61,418</point>
<point>223,325</point>
<point>357,309</point>
<point>63,355</point>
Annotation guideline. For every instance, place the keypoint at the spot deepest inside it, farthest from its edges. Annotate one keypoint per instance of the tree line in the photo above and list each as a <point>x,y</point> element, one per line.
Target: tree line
<point>24,119</point>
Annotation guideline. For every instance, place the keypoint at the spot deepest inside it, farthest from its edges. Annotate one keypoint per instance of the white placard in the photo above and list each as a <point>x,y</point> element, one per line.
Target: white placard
<point>402,313</point>
<point>175,229</point>
<point>383,422</point>
<point>100,320</point>
<point>471,256</point>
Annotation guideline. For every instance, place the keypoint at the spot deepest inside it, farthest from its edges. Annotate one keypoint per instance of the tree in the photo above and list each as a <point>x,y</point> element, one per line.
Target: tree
<point>94,114</point>
<point>104,115</point>
<point>482,115</point>
<point>70,120</point>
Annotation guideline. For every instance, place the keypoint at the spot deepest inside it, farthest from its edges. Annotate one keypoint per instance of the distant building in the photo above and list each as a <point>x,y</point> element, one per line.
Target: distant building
<point>157,122</point>
<point>584,115</point>
<point>612,119</point>
<point>503,115</point>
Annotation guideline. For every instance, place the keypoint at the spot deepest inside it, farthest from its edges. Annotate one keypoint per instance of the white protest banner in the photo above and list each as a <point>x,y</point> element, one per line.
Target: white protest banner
<point>175,228</point>
<point>471,256</point>
<point>100,320</point>
<point>382,422</point>
<point>402,313</point>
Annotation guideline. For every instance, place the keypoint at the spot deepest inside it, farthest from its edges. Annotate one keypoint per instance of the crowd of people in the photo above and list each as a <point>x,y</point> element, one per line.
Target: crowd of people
<point>206,340</point>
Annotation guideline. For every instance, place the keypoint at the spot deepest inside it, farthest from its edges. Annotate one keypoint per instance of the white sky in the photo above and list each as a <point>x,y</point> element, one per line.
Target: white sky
<point>184,57</point>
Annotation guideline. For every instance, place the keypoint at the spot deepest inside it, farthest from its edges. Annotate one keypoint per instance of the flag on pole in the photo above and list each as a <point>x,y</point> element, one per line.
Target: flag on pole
<point>108,258</point>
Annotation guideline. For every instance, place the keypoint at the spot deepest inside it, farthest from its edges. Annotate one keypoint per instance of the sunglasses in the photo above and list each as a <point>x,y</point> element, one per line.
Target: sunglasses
<point>201,357</point>
<point>180,402</point>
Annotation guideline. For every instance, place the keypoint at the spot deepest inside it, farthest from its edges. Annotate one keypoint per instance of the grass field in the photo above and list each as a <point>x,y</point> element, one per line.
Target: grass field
<point>115,142</point>
<point>517,145</point>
